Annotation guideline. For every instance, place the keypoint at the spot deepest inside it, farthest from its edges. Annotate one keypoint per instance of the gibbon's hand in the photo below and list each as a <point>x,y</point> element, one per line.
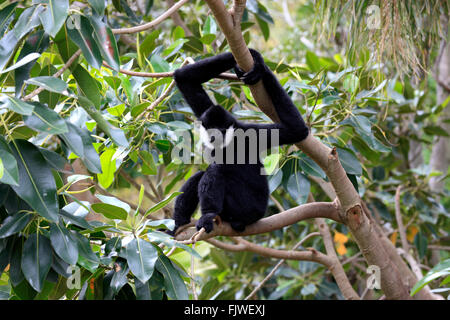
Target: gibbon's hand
<point>256,73</point>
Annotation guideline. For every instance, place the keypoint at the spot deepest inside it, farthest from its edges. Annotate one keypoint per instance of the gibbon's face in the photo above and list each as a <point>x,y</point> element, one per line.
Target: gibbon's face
<point>208,139</point>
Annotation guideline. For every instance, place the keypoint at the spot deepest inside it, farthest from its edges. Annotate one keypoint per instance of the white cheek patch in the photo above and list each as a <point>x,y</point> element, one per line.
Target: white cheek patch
<point>206,139</point>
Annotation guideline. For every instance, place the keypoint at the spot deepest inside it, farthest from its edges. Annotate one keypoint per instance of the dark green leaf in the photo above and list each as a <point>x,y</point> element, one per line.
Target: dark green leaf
<point>350,163</point>
<point>110,211</point>
<point>80,142</point>
<point>81,35</point>
<point>54,16</point>
<point>36,183</point>
<point>106,42</point>
<point>298,187</point>
<point>86,257</point>
<point>45,120</point>
<point>174,285</point>
<point>10,169</point>
<point>49,83</point>
<point>63,243</point>
<point>14,224</point>
<point>28,20</point>
<point>36,260</point>
<point>17,105</point>
<point>53,159</point>
<point>141,257</point>
<point>98,5</point>
<point>441,269</point>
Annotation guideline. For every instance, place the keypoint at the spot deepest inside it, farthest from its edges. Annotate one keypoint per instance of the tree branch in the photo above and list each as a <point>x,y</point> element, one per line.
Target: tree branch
<point>328,210</point>
<point>398,216</point>
<point>153,23</point>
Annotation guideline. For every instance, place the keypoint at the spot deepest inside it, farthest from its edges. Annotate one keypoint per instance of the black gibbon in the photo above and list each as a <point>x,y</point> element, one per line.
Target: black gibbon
<point>237,192</point>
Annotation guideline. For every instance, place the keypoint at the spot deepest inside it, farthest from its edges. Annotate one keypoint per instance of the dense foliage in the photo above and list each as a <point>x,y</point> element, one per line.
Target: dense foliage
<point>122,129</point>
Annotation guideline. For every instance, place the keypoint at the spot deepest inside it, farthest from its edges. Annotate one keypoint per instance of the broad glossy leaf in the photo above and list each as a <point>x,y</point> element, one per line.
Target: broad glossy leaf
<point>106,42</point>
<point>173,283</point>
<point>98,5</point>
<point>441,269</point>
<point>49,83</point>
<point>28,20</point>
<point>14,224</point>
<point>141,257</point>
<point>73,219</point>
<point>86,257</point>
<point>54,16</point>
<point>15,267</point>
<point>45,120</point>
<point>8,43</point>
<point>80,142</point>
<point>82,37</point>
<point>36,182</point>
<point>25,60</point>
<point>17,105</point>
<point>88,87</point>
<point>298,187</point>
<point>36,42</point>
<point>6,15</point>
<point>49,98</point>
<point>110,211</point>
<point>114,201</point>
<point>108,164</point>
<point>10,169</point>
<point>119,278</point>
<point>148,163</point>
<point>310,167</point>
<point>275,181</point>
<point>162,203</point>
<point>53,159</point>
<point>63,243</point>
<point>36,260</point>
<point>350,163</point>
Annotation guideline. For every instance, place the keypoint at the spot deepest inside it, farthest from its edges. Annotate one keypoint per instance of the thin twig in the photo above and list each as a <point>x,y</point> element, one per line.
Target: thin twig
<point>398,216</point>
<point>56,75</point>
<point>153,23</point>
<point>259,286</point>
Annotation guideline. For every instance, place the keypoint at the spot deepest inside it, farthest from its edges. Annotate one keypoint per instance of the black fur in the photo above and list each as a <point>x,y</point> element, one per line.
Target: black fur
<point>238,193</point>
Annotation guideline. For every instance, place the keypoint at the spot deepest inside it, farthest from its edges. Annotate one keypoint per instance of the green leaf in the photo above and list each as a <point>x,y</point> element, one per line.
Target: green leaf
<point>141,257</point>
<point>28,20</point>
<point>49,83</point>
<point>80,142</point>
<point>5,16</point>
<point>173,283</point>
<point>86,257</point>
<point>36,260</point>
<point>310,167</point>
<point>148,163</point>
<point>106,42</point>
<point>8,44</point>
<point>421,243</point>
<point>25,60</point>
<point>73,219</point>
<point>14,224</point>
<point>17,105</point>
<point>108,164</point>
<point>36,42</point>
<point>435,131</point>
<point>88,86</point>
<point>45,120</point>
<point>275,181</point>
<point>162,204</point>
<point>10,170</point>
<point>271,162</point>
<point>163,145</point>
<point>36,183</point>
<point>53,159</point>
<point>350,163</point>
<point>54,16</point>
<point>298,187</point>
<point>110,211</point>
<point>440,270</point>
<point>63,243</point>
<point>114,201</point>
<point>81,35</point>
<point>98,5</point>
<point>119,278</point>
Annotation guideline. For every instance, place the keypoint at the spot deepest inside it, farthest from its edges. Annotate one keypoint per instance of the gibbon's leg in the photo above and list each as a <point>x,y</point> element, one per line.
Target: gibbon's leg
<point>211,190</point>
<point>187,202</point>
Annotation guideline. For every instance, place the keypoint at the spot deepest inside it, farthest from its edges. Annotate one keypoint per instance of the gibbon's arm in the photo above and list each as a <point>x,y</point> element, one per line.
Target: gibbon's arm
<point>189,79</point>
<point>292,126</point>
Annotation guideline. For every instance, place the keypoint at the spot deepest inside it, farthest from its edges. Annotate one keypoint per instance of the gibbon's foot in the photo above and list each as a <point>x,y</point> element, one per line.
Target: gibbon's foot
<point>206,221</point>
